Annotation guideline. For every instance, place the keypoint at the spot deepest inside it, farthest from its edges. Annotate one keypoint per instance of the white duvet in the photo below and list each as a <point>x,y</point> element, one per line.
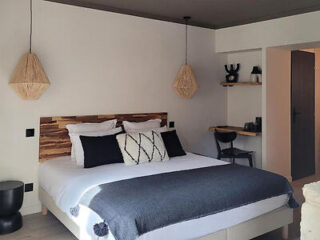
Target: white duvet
<point>66,183</point>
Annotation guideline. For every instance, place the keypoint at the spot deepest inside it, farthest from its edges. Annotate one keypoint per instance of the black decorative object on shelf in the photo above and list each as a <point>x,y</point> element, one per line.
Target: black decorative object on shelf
<point>253,126</point>
<point>11,198</point>
<point>249,126</point>
<point>232,71</point>
<point>259,124</point>
<point>256,74</point>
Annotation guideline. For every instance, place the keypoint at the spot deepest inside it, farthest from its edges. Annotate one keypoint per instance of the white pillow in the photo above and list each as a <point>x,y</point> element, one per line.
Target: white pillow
<point>89,127</point>
<point>160,129</point>
<point>77,145</point>
<point>132,127</point>
<point>137,148</point>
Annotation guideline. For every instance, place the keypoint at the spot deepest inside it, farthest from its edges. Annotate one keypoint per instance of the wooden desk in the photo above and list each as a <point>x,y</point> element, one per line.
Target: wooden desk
<point>238,130</point>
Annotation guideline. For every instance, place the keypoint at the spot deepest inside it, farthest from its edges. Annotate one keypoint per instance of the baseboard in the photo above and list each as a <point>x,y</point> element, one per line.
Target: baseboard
<point>30,209</point>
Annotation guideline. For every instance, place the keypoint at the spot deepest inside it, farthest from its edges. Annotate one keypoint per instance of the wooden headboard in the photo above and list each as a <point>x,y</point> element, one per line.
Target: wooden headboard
<point>54,138</point>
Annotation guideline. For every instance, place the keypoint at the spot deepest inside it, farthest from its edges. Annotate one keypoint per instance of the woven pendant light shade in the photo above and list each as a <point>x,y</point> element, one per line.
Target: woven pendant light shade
<point>29,80</point>
<point>186,84</point>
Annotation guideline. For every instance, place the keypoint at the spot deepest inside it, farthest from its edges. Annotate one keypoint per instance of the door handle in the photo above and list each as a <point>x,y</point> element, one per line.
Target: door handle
<point>294,114</point>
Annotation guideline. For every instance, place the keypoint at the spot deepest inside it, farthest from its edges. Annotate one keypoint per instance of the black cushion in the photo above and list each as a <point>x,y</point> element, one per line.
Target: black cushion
<point>172,144</point>
<point>101,150</point>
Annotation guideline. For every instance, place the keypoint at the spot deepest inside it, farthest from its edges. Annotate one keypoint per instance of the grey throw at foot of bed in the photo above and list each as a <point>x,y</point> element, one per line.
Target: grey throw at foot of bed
<point>136,206</point>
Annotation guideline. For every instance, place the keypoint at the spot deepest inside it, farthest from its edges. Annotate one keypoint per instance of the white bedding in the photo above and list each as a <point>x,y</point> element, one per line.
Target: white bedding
<point>66,182</point>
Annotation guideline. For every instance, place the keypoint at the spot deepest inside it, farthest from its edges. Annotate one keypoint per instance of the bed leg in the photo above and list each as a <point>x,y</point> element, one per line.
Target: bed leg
<point>44,210</point>
<point>285,232</point>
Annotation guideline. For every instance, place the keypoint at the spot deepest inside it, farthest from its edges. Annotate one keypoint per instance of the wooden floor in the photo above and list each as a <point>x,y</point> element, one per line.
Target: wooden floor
<point>38,227</point>
<point>294,228</point>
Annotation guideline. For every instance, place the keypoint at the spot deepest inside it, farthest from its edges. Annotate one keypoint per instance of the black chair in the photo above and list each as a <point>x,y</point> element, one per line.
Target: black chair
<point>232,152</point>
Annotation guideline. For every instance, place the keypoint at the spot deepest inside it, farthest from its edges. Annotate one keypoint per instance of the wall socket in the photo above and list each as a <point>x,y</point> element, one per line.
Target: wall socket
<point>171,124</point>
<point>30,132</point>
<point>28,187</point>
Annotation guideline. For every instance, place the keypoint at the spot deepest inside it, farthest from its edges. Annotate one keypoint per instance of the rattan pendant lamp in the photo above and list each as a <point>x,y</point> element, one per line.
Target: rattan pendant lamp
<point>29,79</point>
<point>186,83</point>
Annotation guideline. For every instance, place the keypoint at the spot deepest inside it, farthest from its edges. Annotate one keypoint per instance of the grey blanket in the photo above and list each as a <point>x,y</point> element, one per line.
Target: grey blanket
<point>136,206</point>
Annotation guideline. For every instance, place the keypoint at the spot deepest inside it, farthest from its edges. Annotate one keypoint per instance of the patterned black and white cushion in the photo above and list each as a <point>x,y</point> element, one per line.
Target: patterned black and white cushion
<point>142,147</point>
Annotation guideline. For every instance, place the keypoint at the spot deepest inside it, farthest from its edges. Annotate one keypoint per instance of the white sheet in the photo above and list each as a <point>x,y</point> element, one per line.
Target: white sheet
<point>66,183</point>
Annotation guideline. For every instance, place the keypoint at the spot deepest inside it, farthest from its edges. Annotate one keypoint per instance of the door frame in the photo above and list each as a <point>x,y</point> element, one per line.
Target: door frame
<point>276,156</point>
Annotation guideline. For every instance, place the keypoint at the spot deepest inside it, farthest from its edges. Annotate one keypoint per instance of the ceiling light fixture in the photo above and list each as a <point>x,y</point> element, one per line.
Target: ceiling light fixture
<point>29,79</point>
<point>186,83</point>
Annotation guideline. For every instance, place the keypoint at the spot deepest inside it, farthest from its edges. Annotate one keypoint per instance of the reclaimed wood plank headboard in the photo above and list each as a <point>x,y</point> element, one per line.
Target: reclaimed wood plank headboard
<point>54,138</point>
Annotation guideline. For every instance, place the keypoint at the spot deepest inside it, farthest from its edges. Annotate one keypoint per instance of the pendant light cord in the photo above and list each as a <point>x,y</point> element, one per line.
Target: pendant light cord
<point>30,26</point>
<point>186,19</point>
<point>186,42</point>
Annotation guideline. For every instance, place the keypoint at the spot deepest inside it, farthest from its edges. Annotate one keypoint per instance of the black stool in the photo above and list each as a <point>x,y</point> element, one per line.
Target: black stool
<point>232,152</point>
<point>11,198</point>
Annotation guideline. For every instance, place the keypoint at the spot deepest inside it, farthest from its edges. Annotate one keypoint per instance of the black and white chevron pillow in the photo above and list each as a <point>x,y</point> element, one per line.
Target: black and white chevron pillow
<point>142,147</point>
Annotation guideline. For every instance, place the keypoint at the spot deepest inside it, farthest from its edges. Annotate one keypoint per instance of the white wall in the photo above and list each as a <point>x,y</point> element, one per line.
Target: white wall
<point>294,32</point>
<point>297,29</point>
<point>244,102</point>
<point>102,63</point>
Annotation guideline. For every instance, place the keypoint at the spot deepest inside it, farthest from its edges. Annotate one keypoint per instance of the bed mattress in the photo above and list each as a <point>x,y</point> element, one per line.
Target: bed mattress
<point>65,182</point>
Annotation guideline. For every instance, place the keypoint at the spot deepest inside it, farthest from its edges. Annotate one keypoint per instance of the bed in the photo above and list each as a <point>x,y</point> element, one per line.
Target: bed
<point>62,183</point>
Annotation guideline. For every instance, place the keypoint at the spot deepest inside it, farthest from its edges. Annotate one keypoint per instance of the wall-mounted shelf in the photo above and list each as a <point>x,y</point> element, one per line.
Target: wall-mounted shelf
<point>225,84</point>
<point>238,130</point>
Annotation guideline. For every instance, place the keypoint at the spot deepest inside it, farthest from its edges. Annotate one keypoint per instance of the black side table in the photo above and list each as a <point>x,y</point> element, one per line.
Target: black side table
<point>11,198</point>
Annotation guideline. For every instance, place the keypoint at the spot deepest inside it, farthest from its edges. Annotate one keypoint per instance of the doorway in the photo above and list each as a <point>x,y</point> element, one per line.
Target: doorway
<point>302,114</point>
<point>282,153</point>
